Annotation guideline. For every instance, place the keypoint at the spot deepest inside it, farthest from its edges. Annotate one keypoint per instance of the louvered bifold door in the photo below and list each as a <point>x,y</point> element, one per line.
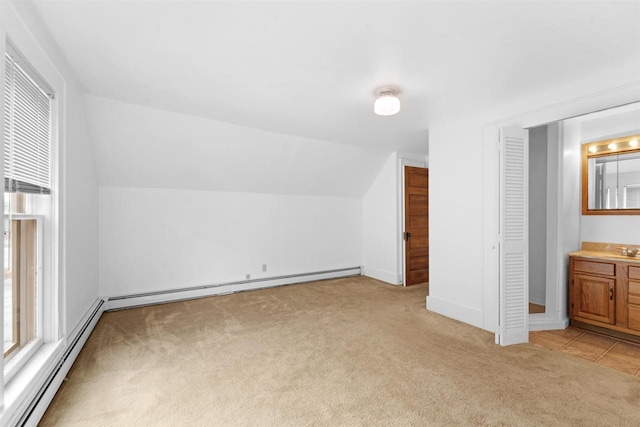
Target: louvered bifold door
<point>514,275</point>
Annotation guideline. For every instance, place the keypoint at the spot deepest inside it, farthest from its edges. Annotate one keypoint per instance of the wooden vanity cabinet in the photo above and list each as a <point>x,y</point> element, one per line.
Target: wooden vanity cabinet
<point>634,298</point>
<point>605,293</point>
<point>592,291</point>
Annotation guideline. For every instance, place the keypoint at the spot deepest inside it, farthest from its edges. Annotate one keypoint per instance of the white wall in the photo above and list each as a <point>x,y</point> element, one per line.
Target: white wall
<point>382,217</point>
<point>159,239</point>
<point>620,121</point>
<point>380,225</point>
<point>81,214</point>
<point>455,220</point>
<point>610,228</point>
<point>187,201</point>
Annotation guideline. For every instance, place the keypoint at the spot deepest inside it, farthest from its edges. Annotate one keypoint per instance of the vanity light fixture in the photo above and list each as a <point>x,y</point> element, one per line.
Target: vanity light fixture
<point>387,103</point>
<point>611,146</point>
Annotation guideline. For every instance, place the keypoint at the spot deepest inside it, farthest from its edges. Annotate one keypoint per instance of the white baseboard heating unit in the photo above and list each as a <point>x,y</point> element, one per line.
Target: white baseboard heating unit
<point>179,294</point>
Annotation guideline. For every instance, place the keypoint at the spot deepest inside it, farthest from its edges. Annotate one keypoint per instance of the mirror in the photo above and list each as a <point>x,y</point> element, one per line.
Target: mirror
<point>611,177</point>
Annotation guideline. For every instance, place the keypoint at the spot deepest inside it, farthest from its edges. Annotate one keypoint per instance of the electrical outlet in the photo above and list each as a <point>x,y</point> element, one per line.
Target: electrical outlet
<point>248,276</point>
<point>264,267</point>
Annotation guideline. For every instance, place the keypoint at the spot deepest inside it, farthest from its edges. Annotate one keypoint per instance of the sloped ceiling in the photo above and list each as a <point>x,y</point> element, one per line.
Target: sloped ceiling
<point>310,69</point>
<point>138,146</point>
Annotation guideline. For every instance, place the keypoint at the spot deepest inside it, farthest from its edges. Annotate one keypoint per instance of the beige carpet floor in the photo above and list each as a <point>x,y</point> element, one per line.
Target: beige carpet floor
<point>349,351</point>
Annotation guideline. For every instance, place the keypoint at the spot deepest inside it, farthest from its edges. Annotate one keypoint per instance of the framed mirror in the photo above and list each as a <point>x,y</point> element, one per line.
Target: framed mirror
<point>611,177</point>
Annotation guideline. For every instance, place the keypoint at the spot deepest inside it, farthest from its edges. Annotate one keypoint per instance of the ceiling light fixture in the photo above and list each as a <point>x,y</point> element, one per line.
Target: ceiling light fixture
<point>387,103</point>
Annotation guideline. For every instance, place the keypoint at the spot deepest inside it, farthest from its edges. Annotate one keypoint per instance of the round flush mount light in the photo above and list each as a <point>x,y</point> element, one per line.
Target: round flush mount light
<point>387,103</point>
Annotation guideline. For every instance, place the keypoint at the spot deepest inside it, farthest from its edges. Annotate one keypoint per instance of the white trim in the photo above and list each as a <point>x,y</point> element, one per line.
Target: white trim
<point>26,385</point>
<point>580,106</point>
<point>515,338</point>
<point>385,276</point>
<point>115,302</point>
<point>455,311</point>
<point>490,239</point>
<point>554,215</point>
<point>14,365</point>
<point>546,322</point>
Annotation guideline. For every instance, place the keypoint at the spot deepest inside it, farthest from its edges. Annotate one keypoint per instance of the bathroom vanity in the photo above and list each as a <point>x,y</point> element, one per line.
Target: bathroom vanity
<point>604,287</point>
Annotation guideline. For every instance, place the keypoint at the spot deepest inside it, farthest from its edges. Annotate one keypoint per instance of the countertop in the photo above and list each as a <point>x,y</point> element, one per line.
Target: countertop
<point>606,256</point>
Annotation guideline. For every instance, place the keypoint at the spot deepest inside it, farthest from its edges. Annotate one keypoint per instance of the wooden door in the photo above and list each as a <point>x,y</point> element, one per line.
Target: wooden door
<point>416,224</point>
<point>594,298</point>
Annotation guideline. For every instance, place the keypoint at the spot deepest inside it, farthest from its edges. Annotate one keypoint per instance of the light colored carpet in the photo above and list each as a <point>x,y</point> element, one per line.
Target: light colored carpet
<point>350,351</point>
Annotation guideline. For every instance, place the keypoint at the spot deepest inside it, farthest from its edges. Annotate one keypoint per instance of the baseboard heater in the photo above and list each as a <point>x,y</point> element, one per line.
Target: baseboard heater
<point>180,294</point>
<point>51,377</point>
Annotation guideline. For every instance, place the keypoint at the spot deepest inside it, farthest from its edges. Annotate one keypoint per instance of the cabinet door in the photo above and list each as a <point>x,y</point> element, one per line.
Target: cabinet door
<point>634,317</point>
<point>594,298</point>
<point>634,299</point>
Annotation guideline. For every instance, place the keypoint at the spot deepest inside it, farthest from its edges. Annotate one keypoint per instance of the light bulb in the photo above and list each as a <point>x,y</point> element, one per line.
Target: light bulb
<point>612,146</point>
<point>593,149</point>
<point>633,143</point>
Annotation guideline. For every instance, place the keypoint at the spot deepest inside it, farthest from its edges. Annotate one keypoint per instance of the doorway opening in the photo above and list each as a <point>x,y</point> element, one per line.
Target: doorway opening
<point>542,146</point>
<point>556,226</point>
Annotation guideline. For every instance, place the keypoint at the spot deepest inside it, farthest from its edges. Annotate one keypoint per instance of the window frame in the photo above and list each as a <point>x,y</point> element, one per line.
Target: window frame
<point>50,318</point>
<point>13,366</point>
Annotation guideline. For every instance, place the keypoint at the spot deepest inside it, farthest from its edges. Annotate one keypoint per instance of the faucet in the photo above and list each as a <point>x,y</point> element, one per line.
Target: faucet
<point>630,252</point>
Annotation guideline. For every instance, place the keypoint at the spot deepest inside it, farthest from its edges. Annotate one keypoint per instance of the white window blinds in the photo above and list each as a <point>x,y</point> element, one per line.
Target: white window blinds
<point>27,128</point>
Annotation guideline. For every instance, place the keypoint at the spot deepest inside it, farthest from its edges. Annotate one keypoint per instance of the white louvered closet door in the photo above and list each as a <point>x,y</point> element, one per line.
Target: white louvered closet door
<point>514,230</point>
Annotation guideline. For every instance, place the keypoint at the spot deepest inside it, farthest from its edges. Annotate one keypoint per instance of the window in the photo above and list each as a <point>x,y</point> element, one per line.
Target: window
<point>28,206</point>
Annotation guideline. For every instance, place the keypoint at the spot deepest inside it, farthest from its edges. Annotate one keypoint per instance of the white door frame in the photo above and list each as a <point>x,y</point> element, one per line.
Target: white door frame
<point>572,108</point>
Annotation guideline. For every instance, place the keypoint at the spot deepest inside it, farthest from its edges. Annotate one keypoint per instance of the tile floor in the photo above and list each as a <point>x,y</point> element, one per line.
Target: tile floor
<point>535,308</point>
<point>604,350</point>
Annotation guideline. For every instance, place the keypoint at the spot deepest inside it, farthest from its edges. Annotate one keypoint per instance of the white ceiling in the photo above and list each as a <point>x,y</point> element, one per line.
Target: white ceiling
<point>310,68</point>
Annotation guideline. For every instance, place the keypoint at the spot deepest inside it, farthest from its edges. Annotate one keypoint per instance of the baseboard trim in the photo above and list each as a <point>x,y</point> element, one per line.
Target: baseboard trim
<point>540,323</point>
<point>32,414</point>
<point>385,276</point>
<point>455,311</point>
<point>180,294</point>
